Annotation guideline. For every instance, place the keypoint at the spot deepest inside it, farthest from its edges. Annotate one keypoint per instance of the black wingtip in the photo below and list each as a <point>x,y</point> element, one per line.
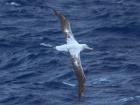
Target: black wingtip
<point>49,7</point>
<point>81,88</point>
<point>55,11</point>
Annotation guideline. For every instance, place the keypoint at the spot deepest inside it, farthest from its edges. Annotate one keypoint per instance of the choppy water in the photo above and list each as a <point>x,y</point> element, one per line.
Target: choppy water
<point>31,74</point>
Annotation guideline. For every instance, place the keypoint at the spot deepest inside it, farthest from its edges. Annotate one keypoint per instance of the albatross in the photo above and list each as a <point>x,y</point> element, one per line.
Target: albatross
<point>73,47</point>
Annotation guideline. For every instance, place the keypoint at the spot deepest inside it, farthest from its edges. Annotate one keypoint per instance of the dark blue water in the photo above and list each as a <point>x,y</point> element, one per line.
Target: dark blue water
<point>31,74</point>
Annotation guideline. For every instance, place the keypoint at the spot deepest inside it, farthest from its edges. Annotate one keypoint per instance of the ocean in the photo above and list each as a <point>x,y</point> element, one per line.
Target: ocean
<point>32,74</point>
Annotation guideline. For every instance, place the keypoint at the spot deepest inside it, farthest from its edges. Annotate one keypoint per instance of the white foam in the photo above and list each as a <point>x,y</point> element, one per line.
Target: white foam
<point>14,4</point>
<point>72,85</point>
<point>103,80</point>
<point>127,99</point>
<point>137,96</point>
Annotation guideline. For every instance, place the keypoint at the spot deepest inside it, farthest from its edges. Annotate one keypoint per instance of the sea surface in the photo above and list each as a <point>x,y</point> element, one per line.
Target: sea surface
<point>32,74</point>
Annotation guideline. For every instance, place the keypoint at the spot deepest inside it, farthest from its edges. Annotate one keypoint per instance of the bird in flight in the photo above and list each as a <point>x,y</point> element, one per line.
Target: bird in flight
<point>73,48</point>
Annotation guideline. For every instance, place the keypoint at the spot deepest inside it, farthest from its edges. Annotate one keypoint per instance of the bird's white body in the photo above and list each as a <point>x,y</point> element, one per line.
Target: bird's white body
<point>73,48</point>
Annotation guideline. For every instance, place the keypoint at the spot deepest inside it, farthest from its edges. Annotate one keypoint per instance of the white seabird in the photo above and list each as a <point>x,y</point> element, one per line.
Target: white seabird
<point>73,48</point>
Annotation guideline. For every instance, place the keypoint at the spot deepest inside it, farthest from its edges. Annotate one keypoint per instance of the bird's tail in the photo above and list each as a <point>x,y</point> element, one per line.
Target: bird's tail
<point>46,45</point>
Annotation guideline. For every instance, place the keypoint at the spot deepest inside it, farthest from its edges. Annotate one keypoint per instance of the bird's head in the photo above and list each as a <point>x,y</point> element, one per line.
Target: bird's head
<point>87,47</point>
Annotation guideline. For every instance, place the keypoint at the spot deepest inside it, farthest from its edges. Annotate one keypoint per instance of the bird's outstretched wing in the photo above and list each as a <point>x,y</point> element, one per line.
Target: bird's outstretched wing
<point>79,73</point>
<point>65,26</point>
